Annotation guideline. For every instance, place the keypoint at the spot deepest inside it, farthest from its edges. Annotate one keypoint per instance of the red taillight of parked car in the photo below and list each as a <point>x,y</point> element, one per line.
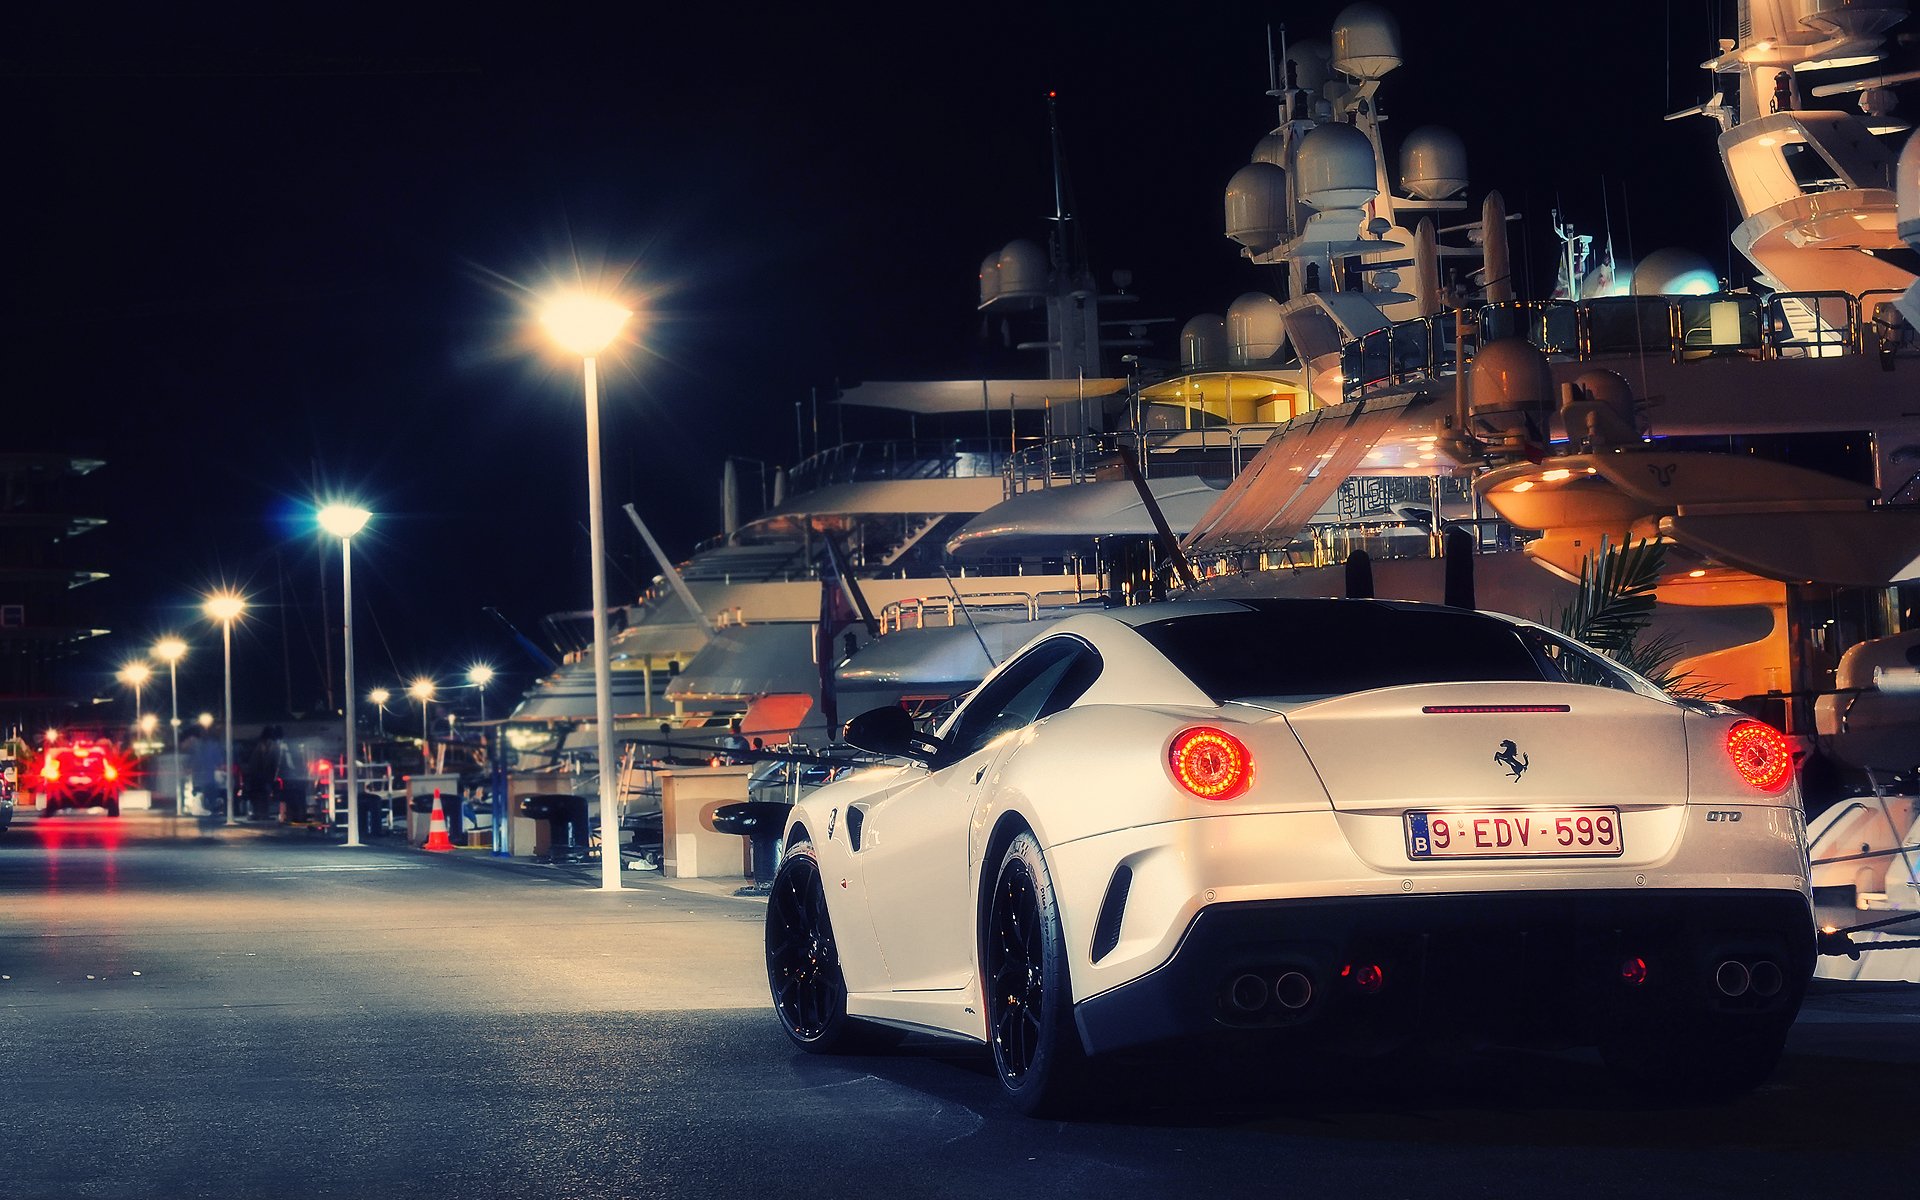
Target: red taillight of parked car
<point>1210,763</point>
<point>1761,754</point>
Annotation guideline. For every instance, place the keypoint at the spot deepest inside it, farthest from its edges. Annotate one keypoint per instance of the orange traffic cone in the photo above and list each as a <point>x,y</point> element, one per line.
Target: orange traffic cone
<point>437,827</point>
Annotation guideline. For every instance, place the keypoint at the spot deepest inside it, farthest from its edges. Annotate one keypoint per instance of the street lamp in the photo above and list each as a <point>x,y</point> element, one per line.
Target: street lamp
<point>480,675</point>
<point>135,675</point>
<point>422,690</point>
<point>585,325</point>
<point>343,521</point>
<point>170,650</point>
<point>226,607</point>
<point>378,697</point>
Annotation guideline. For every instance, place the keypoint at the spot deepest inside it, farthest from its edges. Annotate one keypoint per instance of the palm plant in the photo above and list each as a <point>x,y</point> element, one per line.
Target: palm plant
<point>1613,607</point>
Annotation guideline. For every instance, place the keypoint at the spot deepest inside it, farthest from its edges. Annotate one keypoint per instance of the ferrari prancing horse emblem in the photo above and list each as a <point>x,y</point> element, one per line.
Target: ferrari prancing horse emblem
<point>1509,756</point>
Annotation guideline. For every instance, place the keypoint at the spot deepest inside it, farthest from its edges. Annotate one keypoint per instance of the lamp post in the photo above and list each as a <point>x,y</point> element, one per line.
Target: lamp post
<point>480,675</point>
<point>343,521</point>
<point>226,607</point>
<point>170,650</point>
<point>135,675</point>
<point>422,690</point>
<point>585,325</point>
<point>379,698</point>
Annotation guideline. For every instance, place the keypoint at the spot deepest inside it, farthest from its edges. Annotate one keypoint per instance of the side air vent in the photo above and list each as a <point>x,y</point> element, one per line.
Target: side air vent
<point>1106,931</point>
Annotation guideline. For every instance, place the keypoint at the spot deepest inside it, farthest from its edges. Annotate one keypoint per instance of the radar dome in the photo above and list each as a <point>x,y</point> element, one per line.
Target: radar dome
<point>990,278</point>
<point>1022,270</point>
<point>1257,206</point>
<point>1907,177</point>
<point>1270,149</point>
<point>1509,375</point>
<point>1309,58</point>
<point>1366,41</point>
<point>1255,332</point>
<point>1336,168</point>
<point>1674,271</point>
<point>1203,341</point>
<point>1433,163</point>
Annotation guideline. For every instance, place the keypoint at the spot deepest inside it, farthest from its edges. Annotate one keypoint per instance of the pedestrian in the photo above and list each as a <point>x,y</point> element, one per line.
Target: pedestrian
<point>209,772</point>
<point>265,773</point>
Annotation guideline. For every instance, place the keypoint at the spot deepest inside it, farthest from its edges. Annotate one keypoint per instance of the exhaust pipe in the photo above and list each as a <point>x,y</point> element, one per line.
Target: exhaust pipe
<point>1247,993</point>
<point>1293,990</point>
<point>1732,978</point>
<point>1766,978</point>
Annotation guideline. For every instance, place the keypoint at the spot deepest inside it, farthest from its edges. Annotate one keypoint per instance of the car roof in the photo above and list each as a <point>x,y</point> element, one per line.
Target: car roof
<point>1296,607</point>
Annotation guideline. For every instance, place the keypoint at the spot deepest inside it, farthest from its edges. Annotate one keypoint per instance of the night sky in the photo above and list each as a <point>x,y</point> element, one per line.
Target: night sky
<point>256,257</point>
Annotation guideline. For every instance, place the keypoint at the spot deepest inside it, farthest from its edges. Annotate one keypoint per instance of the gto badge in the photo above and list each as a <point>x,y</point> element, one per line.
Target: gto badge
<point>1723,814</point>
<point>1509,756</point>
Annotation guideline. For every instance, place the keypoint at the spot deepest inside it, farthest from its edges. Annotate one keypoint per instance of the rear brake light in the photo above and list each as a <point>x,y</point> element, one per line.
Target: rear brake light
<point>51,771</point>
<point>1210,763</point>
<point>112,772</point>
<point>1497,708</point>
<point>1761,754</point>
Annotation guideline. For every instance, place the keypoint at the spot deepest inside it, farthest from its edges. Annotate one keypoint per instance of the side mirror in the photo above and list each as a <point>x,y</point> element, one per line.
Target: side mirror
<point>890,731</point>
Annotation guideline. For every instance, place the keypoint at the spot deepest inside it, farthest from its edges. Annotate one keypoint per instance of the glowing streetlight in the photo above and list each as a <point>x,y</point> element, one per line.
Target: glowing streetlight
<point>480,675</point>
<point>205,720</point>
<point>378,697</point>
<point>170,650</point>
<point>135,675</point>
<point>226,607</point>
<point>585,325</point>
<point>422,690</point>
<point>343,521</point>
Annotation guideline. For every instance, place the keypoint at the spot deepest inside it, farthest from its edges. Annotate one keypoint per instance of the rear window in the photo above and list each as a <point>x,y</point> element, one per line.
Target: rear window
<point>1332,647</point>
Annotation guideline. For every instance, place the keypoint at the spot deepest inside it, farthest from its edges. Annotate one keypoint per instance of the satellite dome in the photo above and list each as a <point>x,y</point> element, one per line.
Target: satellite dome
<point>1674,271</point>
<point>990,278</point>
<point>1336,168</point>
<point>1366,41</point>
<point>1509,375</point>
<point>1433,163</point>
<point>1022,270</point>
<point>1203,341</point>
<point>1907,179</point>
<point>1255,332</point>
<point>1309,58</point>
<point>1257,206</point>
<point>1270,149</point>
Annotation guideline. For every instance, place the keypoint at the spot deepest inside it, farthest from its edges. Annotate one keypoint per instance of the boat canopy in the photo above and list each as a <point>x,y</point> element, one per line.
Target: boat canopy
<point>1040,520</point>
<point>971,395</point>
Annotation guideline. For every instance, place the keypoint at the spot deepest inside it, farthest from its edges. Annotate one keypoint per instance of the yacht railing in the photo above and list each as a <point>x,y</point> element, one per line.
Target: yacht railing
<point>1216,453</point>
<point>860,462</point>
<point>945,612</point>
<point>1680,328</point>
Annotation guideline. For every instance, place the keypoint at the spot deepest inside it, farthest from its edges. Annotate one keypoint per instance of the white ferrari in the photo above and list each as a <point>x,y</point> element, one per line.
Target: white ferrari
<point>1312,820</point>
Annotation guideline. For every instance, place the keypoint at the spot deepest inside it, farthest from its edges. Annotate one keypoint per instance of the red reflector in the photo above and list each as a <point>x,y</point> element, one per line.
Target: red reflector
<point>1634,971</point>
<point>1210,763</point>
<point>1370,978</point>
<point>1761,754</point>
<point>1497,708</point>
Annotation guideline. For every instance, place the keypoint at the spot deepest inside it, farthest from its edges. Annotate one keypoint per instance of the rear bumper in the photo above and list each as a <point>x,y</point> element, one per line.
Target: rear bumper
<point>1542,966</point>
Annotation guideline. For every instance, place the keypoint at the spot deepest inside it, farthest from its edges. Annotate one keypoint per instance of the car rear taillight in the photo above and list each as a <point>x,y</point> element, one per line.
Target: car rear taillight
<point>1761,754</point>
<point>1210,763</point>
<point>50,770</point>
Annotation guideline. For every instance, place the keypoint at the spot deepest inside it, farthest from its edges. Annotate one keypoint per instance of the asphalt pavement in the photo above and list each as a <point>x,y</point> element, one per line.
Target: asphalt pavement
<point>189,1013</point>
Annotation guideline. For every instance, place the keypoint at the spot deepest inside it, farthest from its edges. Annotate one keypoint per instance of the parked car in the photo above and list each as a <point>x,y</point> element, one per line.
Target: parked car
<point>80,770</point>
<point>1292,822</point>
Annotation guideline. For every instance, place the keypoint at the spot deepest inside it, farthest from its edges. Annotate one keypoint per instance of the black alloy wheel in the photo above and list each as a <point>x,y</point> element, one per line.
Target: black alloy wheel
<point>803,966</point>
<point>1036,1050</point>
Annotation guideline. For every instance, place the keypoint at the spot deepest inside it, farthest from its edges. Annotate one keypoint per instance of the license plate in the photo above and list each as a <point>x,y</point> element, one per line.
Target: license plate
<point>1514,833</point>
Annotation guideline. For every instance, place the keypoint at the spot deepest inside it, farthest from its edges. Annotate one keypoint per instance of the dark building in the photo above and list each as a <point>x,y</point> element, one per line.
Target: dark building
<point>40,626</point>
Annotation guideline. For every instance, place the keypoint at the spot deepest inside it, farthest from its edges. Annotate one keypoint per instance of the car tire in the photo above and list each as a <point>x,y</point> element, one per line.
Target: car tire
<point>803,964</point>
<point>1036,1049</point>
<point>1698,1061</point>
